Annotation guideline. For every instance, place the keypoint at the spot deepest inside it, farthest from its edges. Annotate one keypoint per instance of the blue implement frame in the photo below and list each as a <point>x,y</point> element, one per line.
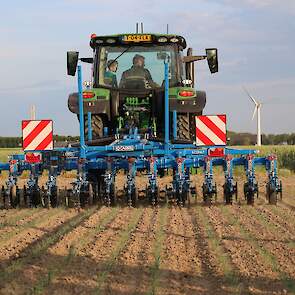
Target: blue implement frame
<point>134,152</point>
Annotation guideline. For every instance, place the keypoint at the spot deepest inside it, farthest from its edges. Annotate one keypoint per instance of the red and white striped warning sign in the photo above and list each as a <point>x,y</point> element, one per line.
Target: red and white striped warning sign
<point>37,135</point>
<point>211,130</point>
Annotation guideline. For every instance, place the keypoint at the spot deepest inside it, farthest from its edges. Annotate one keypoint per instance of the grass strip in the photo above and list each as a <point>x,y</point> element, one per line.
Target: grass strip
<point>158,246</point>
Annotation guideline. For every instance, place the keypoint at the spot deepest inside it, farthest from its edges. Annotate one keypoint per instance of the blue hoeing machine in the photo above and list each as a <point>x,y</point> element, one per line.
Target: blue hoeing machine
<point>97,167</point>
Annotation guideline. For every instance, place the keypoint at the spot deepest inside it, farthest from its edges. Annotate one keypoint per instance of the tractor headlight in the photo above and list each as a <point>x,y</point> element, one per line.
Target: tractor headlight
<point>162,39</point>
<point>111,40</point>
<point>174,40</point>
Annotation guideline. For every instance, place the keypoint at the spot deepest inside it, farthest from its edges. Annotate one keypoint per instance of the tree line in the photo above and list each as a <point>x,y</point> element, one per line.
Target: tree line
<point>234,138</point>
<point>16,142</point>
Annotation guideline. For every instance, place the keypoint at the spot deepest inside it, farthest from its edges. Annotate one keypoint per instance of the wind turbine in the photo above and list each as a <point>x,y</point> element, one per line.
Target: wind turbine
<point>257,110</point>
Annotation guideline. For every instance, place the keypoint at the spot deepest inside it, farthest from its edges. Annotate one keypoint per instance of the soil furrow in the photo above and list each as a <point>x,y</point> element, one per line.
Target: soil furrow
<point>255,273</point>
<point>219,257</point>
<point>86,263</point>
<point>12,276</point>
<point>276,217</point>
<point>111,263</point>
<point>19,217</point>
<point>181,266</point>
<point>67,250</point>
<point>287,206</point>
<point>9,231</point>
<point>131,274</point>
<point>30,233</point>
<point>277,244</point>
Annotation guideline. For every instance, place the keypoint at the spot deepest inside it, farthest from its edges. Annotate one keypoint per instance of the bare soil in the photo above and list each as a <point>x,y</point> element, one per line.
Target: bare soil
<point>152,250</point>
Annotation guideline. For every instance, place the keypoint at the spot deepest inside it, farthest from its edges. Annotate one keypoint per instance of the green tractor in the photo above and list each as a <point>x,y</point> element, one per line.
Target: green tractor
<point>127,87</point>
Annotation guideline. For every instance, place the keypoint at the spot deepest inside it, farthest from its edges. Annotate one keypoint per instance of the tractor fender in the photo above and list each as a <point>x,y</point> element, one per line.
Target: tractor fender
<point>189,105</point>
<point>99,106</point>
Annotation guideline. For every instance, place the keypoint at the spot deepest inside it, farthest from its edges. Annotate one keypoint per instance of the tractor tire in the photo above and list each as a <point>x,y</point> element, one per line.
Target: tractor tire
<point>183,126</point>
<point>97,124</point>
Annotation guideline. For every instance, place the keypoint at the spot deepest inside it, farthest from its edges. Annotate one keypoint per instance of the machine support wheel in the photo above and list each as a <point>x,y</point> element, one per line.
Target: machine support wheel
<point>90,194</point>
<point>45,198</point>
<point>189,197</point>
<point>153,197</point>
<point>250,198</point>
<point>207,200</point>
<point>113,195</point>
<point>134,197</point>
<point>272,198</point>
<point>228,199</point>
<point>14,196</point>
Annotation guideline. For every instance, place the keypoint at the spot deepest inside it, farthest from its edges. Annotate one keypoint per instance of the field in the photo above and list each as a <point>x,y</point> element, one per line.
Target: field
<point>235,249</point>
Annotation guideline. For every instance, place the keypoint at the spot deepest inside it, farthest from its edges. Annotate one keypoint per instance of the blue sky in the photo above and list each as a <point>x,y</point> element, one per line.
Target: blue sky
<point>256,43</point>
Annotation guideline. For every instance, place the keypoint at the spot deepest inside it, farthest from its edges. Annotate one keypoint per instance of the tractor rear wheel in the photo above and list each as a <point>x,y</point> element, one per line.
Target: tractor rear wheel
<point>97,124</point>
<point>183,126</point>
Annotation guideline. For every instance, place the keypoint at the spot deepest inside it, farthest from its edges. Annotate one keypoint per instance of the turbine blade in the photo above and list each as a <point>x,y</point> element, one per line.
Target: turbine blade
<point>251,97</point>
<point>254,113</point>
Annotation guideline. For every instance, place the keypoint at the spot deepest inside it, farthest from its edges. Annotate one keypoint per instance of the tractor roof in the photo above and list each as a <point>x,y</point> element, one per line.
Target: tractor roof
<point>136,39</point>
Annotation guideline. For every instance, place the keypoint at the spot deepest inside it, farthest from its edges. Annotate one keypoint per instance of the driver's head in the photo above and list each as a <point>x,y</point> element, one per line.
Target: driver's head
<point>138,60</point>
<point>112,65</point>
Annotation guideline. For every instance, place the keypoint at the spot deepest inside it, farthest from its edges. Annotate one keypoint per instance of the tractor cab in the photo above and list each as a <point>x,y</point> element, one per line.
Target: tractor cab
<point>127,87</point>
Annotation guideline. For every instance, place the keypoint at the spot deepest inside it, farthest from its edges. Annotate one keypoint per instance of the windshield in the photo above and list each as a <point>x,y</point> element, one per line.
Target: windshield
<point>136,67</point>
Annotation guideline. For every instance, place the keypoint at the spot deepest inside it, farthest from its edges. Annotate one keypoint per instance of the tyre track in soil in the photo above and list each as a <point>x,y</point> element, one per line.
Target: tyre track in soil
<point>12,276</point>
<point>272,240</point>
<point>256,276</point>
<point>184,267</point>
<point>31,232</point>
<point>83,269</point>
<point>63,253</point>
<point>132,272</point>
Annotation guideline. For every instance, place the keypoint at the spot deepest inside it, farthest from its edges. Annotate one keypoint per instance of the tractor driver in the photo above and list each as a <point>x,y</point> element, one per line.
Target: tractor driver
<point>110,77</point>
<point>137,76</point>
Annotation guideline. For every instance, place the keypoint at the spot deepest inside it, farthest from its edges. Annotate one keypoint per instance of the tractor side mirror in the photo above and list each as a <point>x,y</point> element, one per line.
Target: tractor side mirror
<point>72,61</point>
<point>212,59</point>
